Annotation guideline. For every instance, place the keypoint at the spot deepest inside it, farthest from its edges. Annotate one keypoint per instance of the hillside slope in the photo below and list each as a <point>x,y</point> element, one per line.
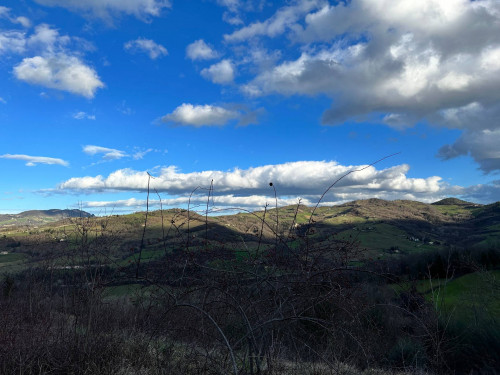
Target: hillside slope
<point>39,217</point>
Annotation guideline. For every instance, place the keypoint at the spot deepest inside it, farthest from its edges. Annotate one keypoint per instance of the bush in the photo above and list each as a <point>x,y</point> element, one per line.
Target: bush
<point>408,353</point>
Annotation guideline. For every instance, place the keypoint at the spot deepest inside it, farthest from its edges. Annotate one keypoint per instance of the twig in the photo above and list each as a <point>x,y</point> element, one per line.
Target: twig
<point>143,231</point>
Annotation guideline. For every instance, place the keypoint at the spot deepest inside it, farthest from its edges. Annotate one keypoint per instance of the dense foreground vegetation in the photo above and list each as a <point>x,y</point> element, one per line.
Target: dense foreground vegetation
<point>183,299</point>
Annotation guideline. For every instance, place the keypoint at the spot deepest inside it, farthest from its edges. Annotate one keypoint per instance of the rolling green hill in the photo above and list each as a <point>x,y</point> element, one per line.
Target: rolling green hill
<point>382,229</point>
<point>401,268</point>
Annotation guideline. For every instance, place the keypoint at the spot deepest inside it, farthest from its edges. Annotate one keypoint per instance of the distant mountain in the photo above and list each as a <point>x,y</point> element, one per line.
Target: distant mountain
<point>39,217</point>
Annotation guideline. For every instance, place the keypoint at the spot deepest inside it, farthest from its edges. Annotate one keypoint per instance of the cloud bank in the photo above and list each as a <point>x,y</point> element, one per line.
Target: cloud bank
<point>249,188</point>
<point>304,178</point>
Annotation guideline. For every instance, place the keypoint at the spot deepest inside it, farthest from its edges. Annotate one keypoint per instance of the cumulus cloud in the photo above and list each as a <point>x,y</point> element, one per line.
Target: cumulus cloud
<point>249,188</point>
<point>222,72</point>
<point>107,153</point>
<point>53,65</point>
<point>83,116</point>
<point>483,193</point>
<point>396,60</point>
<point>199,50</point>
<point>200,115</point>
<point>153,49</point>
<point>32,161</point>
<point>61,72</point>
<point>105,9</point>
<point>307,179</point>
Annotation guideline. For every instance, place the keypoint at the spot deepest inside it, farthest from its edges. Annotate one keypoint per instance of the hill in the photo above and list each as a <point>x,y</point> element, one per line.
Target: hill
<point>384,229</point>
<point>39,217</point>
<point>378,276</point>
<point>453,201</point>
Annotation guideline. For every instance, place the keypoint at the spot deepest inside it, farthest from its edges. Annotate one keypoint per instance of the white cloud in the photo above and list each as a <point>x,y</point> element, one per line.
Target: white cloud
<point>197,202</point>
<point>61,72</point>
<point>307,179</point>
<point>53,65</point>
<point>400,59</point>
<point>201,115</point>
<point>283,19</point>
<point>44,40</point>
<point>12,42</point>
<point>249,188</point>
<point>140,154</point>
<point>222,72</point>
<point>199,50</point>
<point>32,161</point>
<point>483,193</point>
<point>47,39</point>
<point>2,100</point>
<point>107,153</point>
<point>105,9</point>
<point>148,46</point>
<point>235,9</point>
<point>83,116</point>
<point>23,21</point>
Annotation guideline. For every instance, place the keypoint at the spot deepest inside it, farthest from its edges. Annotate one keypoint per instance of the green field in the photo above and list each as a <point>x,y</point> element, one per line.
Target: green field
<point>466,298</point>
<point>385,238</point>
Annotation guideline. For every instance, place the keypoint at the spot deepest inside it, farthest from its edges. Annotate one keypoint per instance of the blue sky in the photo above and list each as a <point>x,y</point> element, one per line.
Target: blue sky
<point>96,94</point>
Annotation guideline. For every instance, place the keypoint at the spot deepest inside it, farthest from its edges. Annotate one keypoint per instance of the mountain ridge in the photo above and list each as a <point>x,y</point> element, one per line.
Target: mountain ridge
<point>39,217</point>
